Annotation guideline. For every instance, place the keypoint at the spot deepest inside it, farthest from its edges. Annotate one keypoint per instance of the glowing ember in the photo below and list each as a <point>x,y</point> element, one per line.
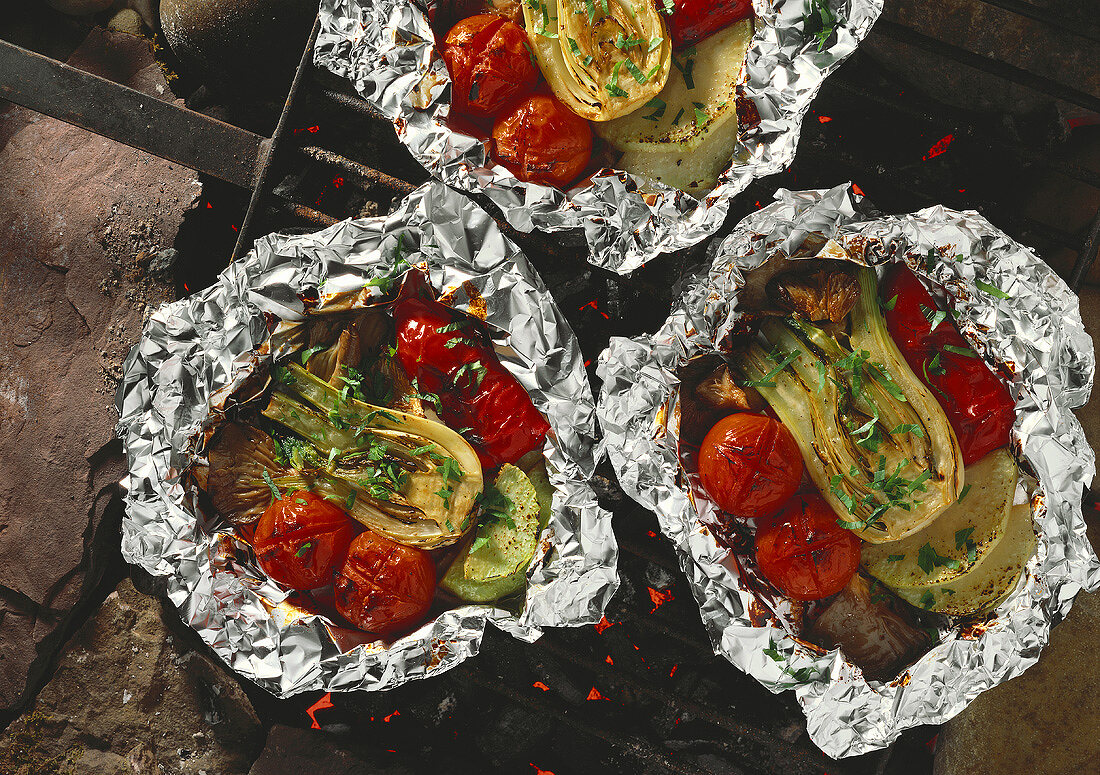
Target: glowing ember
<point>321,704</point>
<point>931,744</point>
<point>824,119</point>
<point>672,672</point>
<point>658,597</point>
<point>395,713</point>
<point>939,147</point>
<point>609,660</point>
<point>858,190</point>
<point>594,694</point>
<point>588,363</point>
<point>311,129</point>
<point>541,685</point>
<point>538,771</point>
<point>337,182</point>
<point>651,534</point>
<point>592,305</point>
<point>603,624</point>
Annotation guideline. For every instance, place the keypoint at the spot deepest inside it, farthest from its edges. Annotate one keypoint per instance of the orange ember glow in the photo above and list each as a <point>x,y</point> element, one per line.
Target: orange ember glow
<point>594,694</point>
<point>609,660</point>
<point>651,534</point>
<point>940,146</point>
<point>672,672</point>
<point>603,624</point>
<point>541,685</point>
<point>538,771</point>
<point>658,597</point>
<point>824,119</point>
<point>592,305</point>
<point>321,704</point>
<point>858,190</point>
<point>387,718</point>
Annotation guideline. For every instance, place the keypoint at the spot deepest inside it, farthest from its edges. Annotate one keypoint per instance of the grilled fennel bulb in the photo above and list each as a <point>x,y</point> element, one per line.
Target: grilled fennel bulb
<point>410,478</point>
<point>602,58</point>
<point>875,441</point>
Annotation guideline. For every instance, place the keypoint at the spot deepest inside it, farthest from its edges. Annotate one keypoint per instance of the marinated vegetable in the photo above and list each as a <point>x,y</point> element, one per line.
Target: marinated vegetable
<point>693,20</point>
<point>453,361</point>
<point>384,586</point>
<point>603,59</point>
<point>749,465</point>
<point>301,540</point>
<point>328,448</point>
<point>978,405</point>
<point>490,64</point>
<point>876,443</point>
<point>410,478</point>
<point>539,140</point>
<point>804,552</point>
<point>494,563</point>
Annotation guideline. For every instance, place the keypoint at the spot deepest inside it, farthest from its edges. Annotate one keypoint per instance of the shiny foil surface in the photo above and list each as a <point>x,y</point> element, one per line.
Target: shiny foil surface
<point>386,48</point>
<point>1036,332</point>
<point>199,355</point>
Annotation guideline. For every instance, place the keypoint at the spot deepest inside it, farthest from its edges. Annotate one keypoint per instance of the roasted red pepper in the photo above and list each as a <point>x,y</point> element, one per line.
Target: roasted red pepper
<point>451,357</point>
<point>693,20</point>
<point>977,403</point>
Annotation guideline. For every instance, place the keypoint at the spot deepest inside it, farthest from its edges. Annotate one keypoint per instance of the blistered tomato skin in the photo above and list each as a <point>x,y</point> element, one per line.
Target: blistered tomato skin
<point>384,587</point>
<point>804,552</point>
<point>490,64</point>
<point>693,20</point>
<point>749,465</point>
<point>542,141</point>
<point>302,539</point>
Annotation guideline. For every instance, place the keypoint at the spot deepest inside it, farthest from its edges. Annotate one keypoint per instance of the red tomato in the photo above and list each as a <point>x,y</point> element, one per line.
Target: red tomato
<point>384,586</point>
<point>543,141</point>
<point>977,403</point>
<point>804,552</point>
<point>749,464</point>
<point>693,20</point>
<point>301,539</point>
<point>490,63</point>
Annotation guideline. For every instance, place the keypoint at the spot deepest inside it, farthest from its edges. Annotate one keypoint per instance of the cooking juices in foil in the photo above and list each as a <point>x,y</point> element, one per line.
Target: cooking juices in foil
<point>200,356</point>
<point>1034,333</point>
<point>388,51</point>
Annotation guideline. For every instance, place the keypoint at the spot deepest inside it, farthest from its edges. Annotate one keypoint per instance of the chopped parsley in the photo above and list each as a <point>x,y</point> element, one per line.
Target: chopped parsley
<point>962,535</point>
<point>310,353</point>
<point>992,290</point>
<point>935,317</point>
<point>966,351</point>
<point>303,550</point>
<point>271,486</point>
<point>928,558</point>
<point>766,380</point>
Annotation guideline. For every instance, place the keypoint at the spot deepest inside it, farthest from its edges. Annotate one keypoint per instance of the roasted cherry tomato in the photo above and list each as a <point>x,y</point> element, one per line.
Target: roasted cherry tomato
<point>541,140</point>
<point>977,403</point>
<point>452,359</point>
<point>384,587</point>
<point>804,552</point>
<point>490,62</point>
<point>302,539</point>
<point>749,464</point>
<point>693,20</point>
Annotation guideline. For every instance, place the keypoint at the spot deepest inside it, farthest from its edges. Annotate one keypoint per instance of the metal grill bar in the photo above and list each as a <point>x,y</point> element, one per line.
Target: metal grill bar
<point>1081,27</point>
<point>995,67</point>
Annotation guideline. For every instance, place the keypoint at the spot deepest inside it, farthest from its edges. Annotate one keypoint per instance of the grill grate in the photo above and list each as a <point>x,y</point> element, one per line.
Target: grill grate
<point>646,694</point>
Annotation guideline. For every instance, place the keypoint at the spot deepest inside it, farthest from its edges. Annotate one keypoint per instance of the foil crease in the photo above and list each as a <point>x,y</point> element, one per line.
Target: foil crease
<point>1036,332</point>
<point>386,48</point>
<point>195,352</point>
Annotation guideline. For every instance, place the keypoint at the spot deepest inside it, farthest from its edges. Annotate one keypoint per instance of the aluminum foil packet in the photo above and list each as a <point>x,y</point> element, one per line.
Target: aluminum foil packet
<point>1035,330</point>
<point>196,354</point>
<point>386,48</point>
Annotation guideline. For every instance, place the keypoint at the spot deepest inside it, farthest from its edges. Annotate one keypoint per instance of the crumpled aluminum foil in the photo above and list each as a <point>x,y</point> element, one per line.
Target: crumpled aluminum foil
<point>387,50</point>
<point>195,352</point>
<point>1036,331</point>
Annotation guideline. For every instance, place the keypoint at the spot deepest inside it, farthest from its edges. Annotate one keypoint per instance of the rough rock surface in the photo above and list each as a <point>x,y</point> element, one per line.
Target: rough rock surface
<point>129,697</point>
<point>80,216</point>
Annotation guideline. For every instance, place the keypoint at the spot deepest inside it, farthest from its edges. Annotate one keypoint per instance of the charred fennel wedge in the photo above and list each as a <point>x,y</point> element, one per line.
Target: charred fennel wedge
<point>409,478</point>
<point>602,58</point>
<point>875,442</point>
